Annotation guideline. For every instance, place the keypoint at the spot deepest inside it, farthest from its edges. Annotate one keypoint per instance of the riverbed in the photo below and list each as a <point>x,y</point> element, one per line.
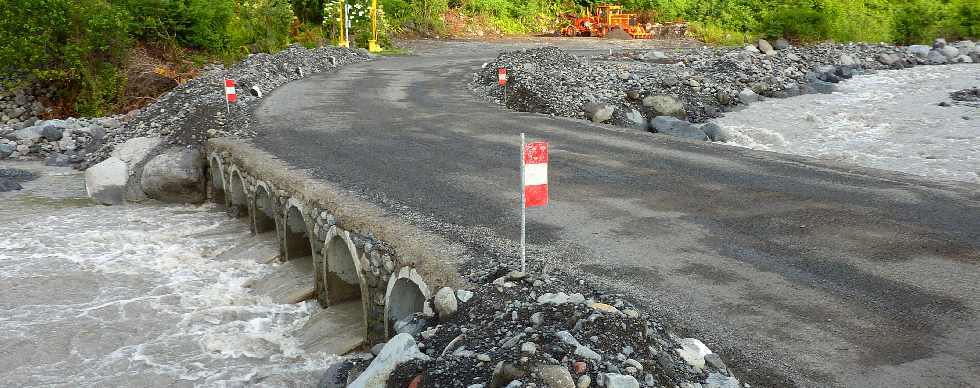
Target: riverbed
<point>889,120</point>
<point>136,296</point>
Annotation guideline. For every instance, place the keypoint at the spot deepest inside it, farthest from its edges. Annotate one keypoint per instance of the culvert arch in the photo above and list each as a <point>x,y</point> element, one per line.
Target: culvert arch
<point>406,294</point>
<point>342,275</point>
<point>217,180</point>
<point>238,196</point>
<point>296,241</point>
<point>264,215</point>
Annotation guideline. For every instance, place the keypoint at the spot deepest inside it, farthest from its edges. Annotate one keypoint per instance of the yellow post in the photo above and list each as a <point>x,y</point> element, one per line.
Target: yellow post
<point>373,43</point>
<point>342,41</point>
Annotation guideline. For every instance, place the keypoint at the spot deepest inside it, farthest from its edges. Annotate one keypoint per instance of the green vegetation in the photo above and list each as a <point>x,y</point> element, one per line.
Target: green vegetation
<point>83,45</point>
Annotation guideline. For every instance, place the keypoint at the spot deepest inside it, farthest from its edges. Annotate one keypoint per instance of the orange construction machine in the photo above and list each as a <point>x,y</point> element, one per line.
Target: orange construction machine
<point>605,18</point>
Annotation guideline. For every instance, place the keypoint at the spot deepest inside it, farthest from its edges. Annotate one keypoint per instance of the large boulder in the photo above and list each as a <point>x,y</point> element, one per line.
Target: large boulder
<point>919,50</point>
<point>53,132</point>
<point>136,150</point>
<point>781,44</point>
<point>445,303</point>
<point>106,182</point>
<point>678,128</point>
<point>29,133</point>
<point>665,106</point>
<point>936,57</point>
<point>615,380</point>
<point>747,96</point>
<point>715,132</point>
<point>176,175</point>
<point>628,117</point>
<point>555,376</point>
<point>765,47</point>
<point>950,52</point>
<point>6,150</point>
<point>401,348</point>
<point>8,184</point>
<point>966,47</point>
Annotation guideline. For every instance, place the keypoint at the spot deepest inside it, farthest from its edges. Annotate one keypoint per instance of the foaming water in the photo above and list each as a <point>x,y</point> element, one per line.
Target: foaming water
<point>133,296</point>
<point>889,120</point>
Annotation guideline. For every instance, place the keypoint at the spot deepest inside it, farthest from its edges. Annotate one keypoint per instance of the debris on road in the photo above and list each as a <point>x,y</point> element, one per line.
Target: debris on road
<point>520,330</point>
<point>630,88</point>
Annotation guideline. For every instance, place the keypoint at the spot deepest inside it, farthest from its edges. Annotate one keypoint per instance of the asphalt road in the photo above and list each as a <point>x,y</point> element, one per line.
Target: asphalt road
<point>799,272</point>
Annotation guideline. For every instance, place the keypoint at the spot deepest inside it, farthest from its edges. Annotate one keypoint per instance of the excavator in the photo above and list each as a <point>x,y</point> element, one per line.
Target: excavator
<point>606,18</point>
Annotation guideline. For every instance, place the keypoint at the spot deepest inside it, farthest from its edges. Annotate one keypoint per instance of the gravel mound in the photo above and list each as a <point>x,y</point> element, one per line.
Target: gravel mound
<point>195,111</point>
<point>706,81</point>
<point>518,330</point>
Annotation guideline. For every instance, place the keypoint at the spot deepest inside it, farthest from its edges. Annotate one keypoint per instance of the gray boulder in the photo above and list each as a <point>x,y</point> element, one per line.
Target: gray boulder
<point>715,132</point>
<point>631,118</point>
<point>52,132</point>
<point>718,380</point>
<point>135,151</point>
<point>752,49</point>
<point>662,105</point>
<point>765,47</point>
<point>938,43</point>
<point>963,59</point>
<point>176,175</point>
<point>598,113</point>
<point>106,182</point>
<point>6,150</point>
<point>747,96</point>
<point>678,128</point>
<point>58,160</point>
<point>888,59</point>
<point>555,376</point>
<point>847,60</point>
<point>401,348</point>
<point>29,133</point>
<point>615,380</point>
<point>919,50</point>
<point>950,52</point>
<point>781,44</point>
<point>8,184</point>
<point>966,47</point>
<point>936,57</point>
<point>444,303</point>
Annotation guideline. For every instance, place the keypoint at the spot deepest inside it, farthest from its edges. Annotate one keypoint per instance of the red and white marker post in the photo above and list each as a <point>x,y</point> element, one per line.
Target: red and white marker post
<point>230,95</point>
<point>534,185</point>
<point>502,81</point>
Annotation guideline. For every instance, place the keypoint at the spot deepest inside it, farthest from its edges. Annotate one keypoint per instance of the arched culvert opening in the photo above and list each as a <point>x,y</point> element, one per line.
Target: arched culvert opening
<point>406,295</point>
<point>264,211</point>
<point>296,238</point>
<point>217,182</point>
<point>342,278</point>
<point>239,200</point>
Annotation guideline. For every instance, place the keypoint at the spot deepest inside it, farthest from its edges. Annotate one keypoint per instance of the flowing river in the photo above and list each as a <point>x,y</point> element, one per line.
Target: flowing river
<point>890,120</point>
<point>136,296</point>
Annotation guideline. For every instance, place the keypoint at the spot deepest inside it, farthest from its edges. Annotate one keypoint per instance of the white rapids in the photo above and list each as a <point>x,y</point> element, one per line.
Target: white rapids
<point>137,296</point>
<point>889,120</point>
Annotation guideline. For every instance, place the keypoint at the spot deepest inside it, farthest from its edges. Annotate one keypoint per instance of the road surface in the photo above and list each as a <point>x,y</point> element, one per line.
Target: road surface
<point>799,272</point>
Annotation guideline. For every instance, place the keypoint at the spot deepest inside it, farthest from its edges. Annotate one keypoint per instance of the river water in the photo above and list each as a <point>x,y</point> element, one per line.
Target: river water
<point>136,296</point>
<point>889,120</point>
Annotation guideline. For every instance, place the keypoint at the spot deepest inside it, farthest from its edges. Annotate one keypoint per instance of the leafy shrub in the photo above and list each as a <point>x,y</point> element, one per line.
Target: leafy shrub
<point>795,22</point>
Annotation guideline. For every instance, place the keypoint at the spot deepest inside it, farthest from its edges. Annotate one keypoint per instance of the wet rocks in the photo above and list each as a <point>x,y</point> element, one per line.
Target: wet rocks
<point>106,182</point>
<point>176,176</point>
<point>615,380</point>
<point>7,184</point>
<point>555,376</point>
<point>678,128</point>
<point>936,57</point>
<point>401,348</point>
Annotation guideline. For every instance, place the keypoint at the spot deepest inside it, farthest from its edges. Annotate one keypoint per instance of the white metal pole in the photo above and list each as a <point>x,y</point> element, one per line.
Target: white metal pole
<point>523,212</point>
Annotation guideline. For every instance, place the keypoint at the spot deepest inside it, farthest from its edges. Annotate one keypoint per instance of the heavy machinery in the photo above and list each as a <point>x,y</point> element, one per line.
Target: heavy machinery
<point>606,18</point>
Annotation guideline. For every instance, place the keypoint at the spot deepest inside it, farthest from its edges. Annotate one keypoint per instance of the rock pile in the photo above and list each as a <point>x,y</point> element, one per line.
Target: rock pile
<point>633,88</point>
<point>519,330</point>
<point>10,178</point>
<point>21,107</point>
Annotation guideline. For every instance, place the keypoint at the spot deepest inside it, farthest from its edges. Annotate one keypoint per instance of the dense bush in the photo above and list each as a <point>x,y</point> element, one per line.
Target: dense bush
<point>81,45</point>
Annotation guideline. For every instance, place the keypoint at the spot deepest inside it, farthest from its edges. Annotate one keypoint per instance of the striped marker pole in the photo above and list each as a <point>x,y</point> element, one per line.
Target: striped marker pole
<point>534,185</point>
<point>230,95</point>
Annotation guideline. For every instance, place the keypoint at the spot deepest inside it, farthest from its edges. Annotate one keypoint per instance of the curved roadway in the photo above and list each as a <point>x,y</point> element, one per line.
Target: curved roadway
<point>798,272</point>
